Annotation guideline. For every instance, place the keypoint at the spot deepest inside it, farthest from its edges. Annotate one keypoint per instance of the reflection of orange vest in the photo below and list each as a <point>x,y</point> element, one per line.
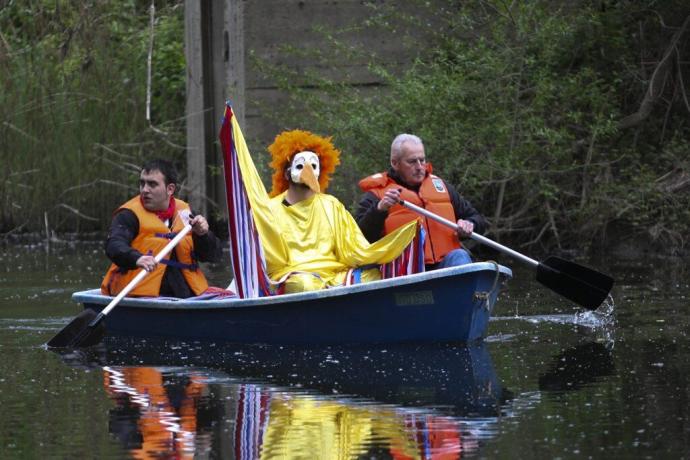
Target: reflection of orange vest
<point>433,196</point>
<point>152,237</point>
<point>165,431</point>
<point>438,438</point>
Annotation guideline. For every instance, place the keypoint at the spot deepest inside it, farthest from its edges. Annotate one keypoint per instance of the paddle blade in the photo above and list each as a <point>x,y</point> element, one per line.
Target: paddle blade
<point>80,332</point>
<point>575,282</point>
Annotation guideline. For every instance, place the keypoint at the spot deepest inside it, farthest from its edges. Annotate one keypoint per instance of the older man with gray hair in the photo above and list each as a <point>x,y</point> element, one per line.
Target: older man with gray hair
<point>410,178</point>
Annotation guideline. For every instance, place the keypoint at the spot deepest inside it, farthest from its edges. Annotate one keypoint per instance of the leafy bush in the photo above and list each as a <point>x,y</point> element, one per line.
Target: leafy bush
<point>523,107</point>
<point>72,108</point>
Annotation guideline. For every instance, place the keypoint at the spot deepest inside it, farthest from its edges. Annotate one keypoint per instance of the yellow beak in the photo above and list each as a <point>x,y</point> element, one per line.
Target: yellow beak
<point>309,178</point>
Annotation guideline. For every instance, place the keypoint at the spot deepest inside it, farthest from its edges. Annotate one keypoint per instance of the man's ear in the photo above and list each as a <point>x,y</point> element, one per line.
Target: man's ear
<point>171,189</point>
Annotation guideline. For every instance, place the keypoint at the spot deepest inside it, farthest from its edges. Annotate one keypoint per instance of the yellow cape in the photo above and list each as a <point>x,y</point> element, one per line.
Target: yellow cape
<point>317,235</point>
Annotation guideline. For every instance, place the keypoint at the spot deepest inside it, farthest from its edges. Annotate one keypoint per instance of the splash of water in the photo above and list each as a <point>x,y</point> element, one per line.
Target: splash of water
<point>599,323</point>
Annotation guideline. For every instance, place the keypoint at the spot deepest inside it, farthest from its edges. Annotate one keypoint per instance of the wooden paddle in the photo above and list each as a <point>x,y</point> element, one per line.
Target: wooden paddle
<point>575,282</point>
<point>87,328</point>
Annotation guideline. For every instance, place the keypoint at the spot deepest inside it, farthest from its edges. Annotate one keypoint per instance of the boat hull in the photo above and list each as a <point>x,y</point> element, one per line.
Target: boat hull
<point>452,304</point>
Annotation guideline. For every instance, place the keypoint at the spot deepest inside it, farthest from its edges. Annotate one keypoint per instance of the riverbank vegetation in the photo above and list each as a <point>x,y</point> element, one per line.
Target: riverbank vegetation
<point>74,101</point>
<point>566,124</point>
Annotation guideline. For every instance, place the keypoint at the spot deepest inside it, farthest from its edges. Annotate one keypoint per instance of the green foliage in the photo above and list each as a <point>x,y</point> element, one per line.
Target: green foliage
<point>524,106</point>
<point>519,105</point>
<point>73,79</point>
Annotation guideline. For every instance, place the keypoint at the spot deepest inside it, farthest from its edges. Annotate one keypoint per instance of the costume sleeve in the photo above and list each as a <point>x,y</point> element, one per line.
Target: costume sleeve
<point>370,220</point>
<point>464,210</point>
<point>123,229</point>
<point>353,249</point>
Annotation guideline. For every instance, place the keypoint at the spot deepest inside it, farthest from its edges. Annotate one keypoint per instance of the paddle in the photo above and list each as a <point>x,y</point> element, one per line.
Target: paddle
<point>87,328</point>
<point>575,282</point>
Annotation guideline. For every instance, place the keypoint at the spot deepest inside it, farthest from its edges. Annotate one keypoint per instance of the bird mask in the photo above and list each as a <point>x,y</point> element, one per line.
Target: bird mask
<point>305,170</point>
<point>304,157</point>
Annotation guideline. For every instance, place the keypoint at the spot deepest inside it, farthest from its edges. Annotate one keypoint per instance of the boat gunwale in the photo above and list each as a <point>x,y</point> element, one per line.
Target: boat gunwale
<point>94,297</point>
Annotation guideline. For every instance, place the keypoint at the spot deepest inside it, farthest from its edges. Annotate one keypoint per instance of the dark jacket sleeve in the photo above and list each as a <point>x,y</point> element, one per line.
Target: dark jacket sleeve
<point>369,218</point>
<point>123,229</point>
<point>207,248</point>
<point>464,210</point>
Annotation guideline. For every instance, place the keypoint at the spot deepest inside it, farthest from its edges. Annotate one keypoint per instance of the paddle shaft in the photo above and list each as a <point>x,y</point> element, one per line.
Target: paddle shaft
<point>578,283</point>
<point>475,236</point>
<point>142,274</point>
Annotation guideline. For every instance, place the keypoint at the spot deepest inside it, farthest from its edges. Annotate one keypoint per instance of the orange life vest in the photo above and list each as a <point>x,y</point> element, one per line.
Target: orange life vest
<point>433,196</point>
<point>152,237</point>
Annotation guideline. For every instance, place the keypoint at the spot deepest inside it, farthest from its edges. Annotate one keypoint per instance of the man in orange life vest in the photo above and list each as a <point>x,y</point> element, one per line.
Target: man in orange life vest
<point>410,178</point>
<point>144,225</point>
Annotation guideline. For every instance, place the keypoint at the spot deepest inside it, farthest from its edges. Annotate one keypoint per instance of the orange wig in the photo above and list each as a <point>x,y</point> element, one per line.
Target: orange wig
<point>288,143</point>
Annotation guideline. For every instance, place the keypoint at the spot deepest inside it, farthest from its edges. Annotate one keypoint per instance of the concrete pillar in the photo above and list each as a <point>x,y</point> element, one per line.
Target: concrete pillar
<point>214,50</point>
<point>195,107</point>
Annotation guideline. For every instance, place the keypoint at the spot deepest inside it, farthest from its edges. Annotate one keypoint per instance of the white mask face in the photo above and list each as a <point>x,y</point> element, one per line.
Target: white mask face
<point>298,163</point>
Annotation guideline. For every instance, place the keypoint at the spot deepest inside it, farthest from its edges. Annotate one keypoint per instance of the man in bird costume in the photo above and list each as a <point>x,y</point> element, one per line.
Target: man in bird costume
<point>309,239</point>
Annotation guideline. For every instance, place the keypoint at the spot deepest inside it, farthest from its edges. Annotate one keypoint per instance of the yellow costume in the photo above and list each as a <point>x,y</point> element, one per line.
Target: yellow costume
<point>313,243</point>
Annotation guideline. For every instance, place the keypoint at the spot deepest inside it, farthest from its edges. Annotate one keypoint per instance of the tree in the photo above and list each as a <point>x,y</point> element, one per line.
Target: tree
<point>528,108</point>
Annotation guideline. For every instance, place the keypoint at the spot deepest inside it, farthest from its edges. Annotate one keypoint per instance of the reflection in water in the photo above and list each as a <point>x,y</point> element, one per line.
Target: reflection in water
<point>578,366</point>
<point>406,402</point>
<point>156,415</point>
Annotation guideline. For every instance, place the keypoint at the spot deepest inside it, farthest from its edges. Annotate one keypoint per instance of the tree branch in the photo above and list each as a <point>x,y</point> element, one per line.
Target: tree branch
<point>656,82</point>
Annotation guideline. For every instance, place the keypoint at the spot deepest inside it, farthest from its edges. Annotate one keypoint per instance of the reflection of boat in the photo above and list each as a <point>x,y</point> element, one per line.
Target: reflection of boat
<point>241,401</point>
<point>452,304</point>
<point>461,379</point>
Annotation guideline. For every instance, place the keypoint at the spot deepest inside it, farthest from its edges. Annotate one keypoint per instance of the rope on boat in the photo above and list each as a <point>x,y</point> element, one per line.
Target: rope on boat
<point>486,296</point>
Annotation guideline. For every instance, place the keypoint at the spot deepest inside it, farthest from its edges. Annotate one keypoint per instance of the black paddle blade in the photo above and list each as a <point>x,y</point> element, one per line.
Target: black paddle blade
<point>575,282</point>
<point>80,332</point>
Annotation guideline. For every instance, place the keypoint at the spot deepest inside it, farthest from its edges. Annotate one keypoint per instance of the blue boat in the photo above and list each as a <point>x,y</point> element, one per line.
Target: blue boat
<point>447,305</point>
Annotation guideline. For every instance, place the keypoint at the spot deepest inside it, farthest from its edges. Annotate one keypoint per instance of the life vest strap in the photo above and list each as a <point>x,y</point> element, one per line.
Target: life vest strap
<point>179,265</point>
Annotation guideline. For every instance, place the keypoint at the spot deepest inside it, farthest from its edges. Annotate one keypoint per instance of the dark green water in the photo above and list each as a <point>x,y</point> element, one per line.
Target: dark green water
<point>549,382</point>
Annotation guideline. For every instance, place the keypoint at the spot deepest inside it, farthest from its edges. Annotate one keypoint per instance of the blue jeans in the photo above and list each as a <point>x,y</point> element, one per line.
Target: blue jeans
<point>454,258</point>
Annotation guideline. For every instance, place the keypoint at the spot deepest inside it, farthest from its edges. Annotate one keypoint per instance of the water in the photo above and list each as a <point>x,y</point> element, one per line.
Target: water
<point>550,381</point>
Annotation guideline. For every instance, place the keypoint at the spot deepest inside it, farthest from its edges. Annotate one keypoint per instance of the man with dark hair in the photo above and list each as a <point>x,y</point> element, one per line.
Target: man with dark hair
<point>164,166</point>
<point>410,178</point>
<point>142,226</point>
